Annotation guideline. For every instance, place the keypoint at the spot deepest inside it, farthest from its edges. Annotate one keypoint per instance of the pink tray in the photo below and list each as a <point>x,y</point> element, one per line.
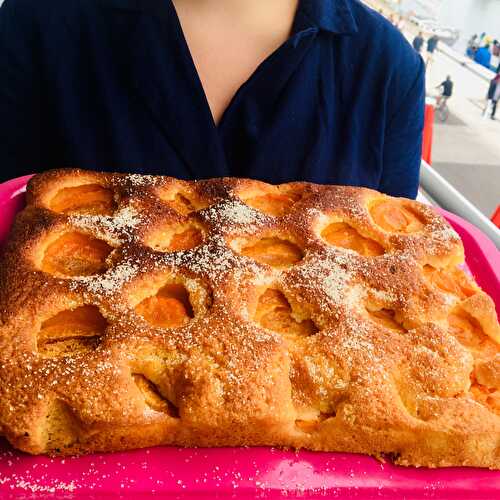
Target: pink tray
<point>244,472</point>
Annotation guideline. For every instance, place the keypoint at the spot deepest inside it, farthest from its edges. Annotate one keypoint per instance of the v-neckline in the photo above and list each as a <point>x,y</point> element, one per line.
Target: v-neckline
<point>196,75</point>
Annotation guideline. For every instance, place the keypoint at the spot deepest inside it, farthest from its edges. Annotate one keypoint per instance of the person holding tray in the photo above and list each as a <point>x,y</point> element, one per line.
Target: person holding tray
<point>325,91</point>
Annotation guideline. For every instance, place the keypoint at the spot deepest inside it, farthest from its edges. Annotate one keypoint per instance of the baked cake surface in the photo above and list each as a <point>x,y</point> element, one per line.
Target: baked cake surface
<point>141,310</point>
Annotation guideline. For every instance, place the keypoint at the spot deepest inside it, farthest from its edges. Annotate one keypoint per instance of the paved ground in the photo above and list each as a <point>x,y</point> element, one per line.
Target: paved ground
<point>482,191</point>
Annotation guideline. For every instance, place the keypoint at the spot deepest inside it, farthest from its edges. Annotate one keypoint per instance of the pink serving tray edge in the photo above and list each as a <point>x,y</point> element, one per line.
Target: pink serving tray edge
<point>245,472</point>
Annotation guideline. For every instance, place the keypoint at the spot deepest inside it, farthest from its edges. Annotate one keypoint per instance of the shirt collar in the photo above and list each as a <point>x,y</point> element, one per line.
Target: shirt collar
<point>335,16</point>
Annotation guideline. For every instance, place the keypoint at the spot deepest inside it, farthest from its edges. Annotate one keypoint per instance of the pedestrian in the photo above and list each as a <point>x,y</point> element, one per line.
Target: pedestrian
<point>494,95</point>
<point>496,48</point>
<point>483,56</point>
<point>491,93</point>
<point>269,90</point>
<point>472,41</point>
<point>418,42</point>
<point>432,43</point>
<point>471,46</point>
<point>446,91</point>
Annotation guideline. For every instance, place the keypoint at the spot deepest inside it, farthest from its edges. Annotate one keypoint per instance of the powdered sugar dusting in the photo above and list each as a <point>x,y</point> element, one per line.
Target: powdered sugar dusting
<point>446,234</point>
<point>383,296</point>
<point>116,229</point>
<point>335,284</point>
<point>234,212</point>
<point>39,486</point>
<point>110,282</point>
<point>329,276</point>
<point>139,180</point>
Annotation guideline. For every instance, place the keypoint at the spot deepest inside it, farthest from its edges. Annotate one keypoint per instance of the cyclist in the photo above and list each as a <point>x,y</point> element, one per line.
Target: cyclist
<point>446,92</point>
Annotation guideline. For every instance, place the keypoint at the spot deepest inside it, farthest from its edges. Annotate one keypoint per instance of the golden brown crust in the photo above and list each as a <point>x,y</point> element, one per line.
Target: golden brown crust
<point>142,310</point>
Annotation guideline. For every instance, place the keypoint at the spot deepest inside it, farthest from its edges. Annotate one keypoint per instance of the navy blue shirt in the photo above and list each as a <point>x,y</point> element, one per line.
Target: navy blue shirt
<point>110,85</point>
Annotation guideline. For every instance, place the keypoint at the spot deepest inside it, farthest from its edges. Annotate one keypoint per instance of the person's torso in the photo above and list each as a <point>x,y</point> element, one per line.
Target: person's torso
<point>447,88</point>
<point>123,95</point>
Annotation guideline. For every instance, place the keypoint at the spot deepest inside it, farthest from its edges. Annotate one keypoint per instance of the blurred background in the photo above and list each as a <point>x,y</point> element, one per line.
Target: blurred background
<point>463,138</point>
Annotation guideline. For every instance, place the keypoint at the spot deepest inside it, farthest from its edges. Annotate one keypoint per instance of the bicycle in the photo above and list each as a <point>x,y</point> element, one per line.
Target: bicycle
<point>442,110</point>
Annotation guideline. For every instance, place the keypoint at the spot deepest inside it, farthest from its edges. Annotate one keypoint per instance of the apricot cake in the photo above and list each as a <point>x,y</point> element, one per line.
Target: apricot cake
<point>142,310</point>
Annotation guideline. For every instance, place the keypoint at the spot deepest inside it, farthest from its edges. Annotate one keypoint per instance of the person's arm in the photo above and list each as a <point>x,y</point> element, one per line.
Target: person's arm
<point>20,113</point>
<point>404,129</point>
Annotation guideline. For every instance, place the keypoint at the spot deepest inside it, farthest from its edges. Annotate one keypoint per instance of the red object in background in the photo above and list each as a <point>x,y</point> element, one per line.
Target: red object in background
<point>428,125</point>
<point>496,217</point>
